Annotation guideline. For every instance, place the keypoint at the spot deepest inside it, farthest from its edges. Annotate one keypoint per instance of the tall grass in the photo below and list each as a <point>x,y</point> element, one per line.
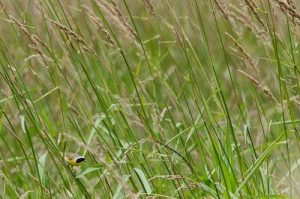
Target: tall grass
<point>165,99</point>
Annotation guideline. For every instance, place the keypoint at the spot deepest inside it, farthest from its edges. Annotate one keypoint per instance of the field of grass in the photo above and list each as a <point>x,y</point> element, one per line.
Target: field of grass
<point>163,98</point>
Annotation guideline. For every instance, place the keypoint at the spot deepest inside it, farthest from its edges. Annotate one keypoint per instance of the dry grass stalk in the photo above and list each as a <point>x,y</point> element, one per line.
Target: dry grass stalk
<point>244,53</point>
<point>162,114</point>
<point>253,8</point>
<point>1,7</point>
<point>42,59</point>
<point>158,118</point>
<point>222,7</point>
<point>295,100</point>
<point>248,23</point>
<point>289,9</point>
<point>267,91</point>
<point>114,13</point>
<point>243,19</point>
<point>179,36</point>
<point>149,7</point>
<point>72,35</point>
<point>264,88</point>
<point>291,3</point>
<point>125,23</point>
<point>191,186</point>
<point>99,24</point>
<point>230,16</point>
<point>117,11</point>
<point>35,40</point>
<point>167,177</point>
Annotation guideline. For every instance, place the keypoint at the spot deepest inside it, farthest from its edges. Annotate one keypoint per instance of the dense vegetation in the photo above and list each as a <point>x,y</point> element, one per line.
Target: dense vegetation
<point>164,99</point>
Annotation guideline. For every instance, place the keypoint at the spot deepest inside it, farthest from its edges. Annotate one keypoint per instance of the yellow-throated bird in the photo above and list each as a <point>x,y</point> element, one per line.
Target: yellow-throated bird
<point>74,159</point>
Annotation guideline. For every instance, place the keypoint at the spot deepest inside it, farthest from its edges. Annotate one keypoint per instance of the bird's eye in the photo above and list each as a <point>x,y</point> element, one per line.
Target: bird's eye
<point>80,159</point>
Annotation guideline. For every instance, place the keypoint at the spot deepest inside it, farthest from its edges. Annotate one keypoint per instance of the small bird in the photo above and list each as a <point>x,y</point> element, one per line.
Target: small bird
<point>74,159</point>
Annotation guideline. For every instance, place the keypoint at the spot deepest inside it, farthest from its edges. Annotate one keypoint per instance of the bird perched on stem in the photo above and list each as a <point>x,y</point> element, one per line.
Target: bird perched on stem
<point>74,159</point>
